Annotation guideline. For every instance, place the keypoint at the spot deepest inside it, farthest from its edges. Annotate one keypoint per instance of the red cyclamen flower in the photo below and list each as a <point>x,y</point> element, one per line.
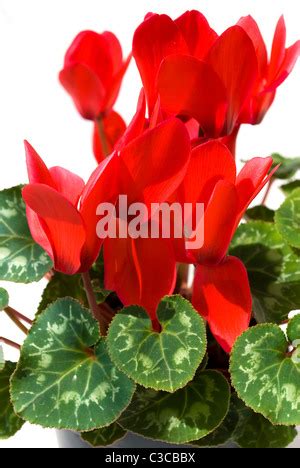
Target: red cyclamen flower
<point>93,72</point>
<point>196,73</point>
<point>61,211</point>
<point>272,73</point>
<point>221,288</point>
<point>219,81</point>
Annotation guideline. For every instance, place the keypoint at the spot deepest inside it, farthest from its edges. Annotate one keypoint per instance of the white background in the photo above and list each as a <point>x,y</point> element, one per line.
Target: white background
<point>34,35</point>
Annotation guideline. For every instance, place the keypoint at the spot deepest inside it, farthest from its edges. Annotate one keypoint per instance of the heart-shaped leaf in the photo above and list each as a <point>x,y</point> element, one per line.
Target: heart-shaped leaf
<point>10,423</point>
<point>266,374</point>
<point>224,433</point>
<point>65,378</point>
<point>244,428</point>
<point>183,416</point>
<point>162,361</point>
<point>273,268</point>
<point>288,166</point>
<point>288,219</point>
<point>4,299</point>
<point>105,436</point>
<point>21,259</point>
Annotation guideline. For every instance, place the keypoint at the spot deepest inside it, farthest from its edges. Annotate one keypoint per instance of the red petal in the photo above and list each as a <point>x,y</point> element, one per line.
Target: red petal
<point>230,140</point>
<point>68,184</point>
<point>85,88</point>
<point>38,172</point>
<point>149,15</point>
<point>191,88</point>
<point>222,296</point>
<point>193,128</point>
<point>94,51</point>
<point>156,266</point>
<point>219,222</point>
<point>112,127</point>
<point>63,225</point>
<point>290,59</point>
<point>257,107</point>
<point>278,49</point>
<point>250,26</point>
<point>153,165</point>
<point>137,125</point>
<point>155,39</point>
<point>157,115</point>
<point>39,231</point>
<point>198,35</point>
<point>115,50</point>
<point>281,64</point>
<point>115,85</point>
<point>251,180</point>
<point>210,163</point>
<point>234,59</point>
<point>120,271</point>
<point>102,187</point>
<point>141,271</point>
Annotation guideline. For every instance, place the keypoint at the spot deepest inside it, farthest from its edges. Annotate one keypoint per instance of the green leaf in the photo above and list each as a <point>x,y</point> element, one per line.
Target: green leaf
<point>293,330</point>
<point>261,213</point>
<point>4,299</point>
<point>255,431</point>
<point>244,428</point>
<point>65,378</point>
<point>290,187</point>
<point>224,433</point>
<point>288,168</point>
<point>183,416</point>
<point>105,436</point>
<point>273,268</point>
<point>10,423</point>
<point>21,259</point>
<point>61,286</point>
<point>2,362</point>
<point>265,375</point>
<point>162,361</point>
<point>288,219</point>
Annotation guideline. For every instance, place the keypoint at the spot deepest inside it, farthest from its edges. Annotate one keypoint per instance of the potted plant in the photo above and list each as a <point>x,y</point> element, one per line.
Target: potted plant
<point>123,344</point>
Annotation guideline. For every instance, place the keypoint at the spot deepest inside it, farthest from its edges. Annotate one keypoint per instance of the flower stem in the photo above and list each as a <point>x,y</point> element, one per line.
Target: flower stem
<point>92,300</point>
<point>102,136</point>
<point>182,286</point>
<point>11,314</point>
<point>20,316</point>
<point>270,185</point>
<point>10,343</point>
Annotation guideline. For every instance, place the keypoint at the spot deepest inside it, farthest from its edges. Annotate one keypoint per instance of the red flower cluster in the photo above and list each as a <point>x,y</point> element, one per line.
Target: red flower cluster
<point>198,88</point>
<point>219,81</point>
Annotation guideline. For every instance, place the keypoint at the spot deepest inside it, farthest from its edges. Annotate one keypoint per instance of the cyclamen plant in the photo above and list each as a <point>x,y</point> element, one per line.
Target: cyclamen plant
<point>120,341</point>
